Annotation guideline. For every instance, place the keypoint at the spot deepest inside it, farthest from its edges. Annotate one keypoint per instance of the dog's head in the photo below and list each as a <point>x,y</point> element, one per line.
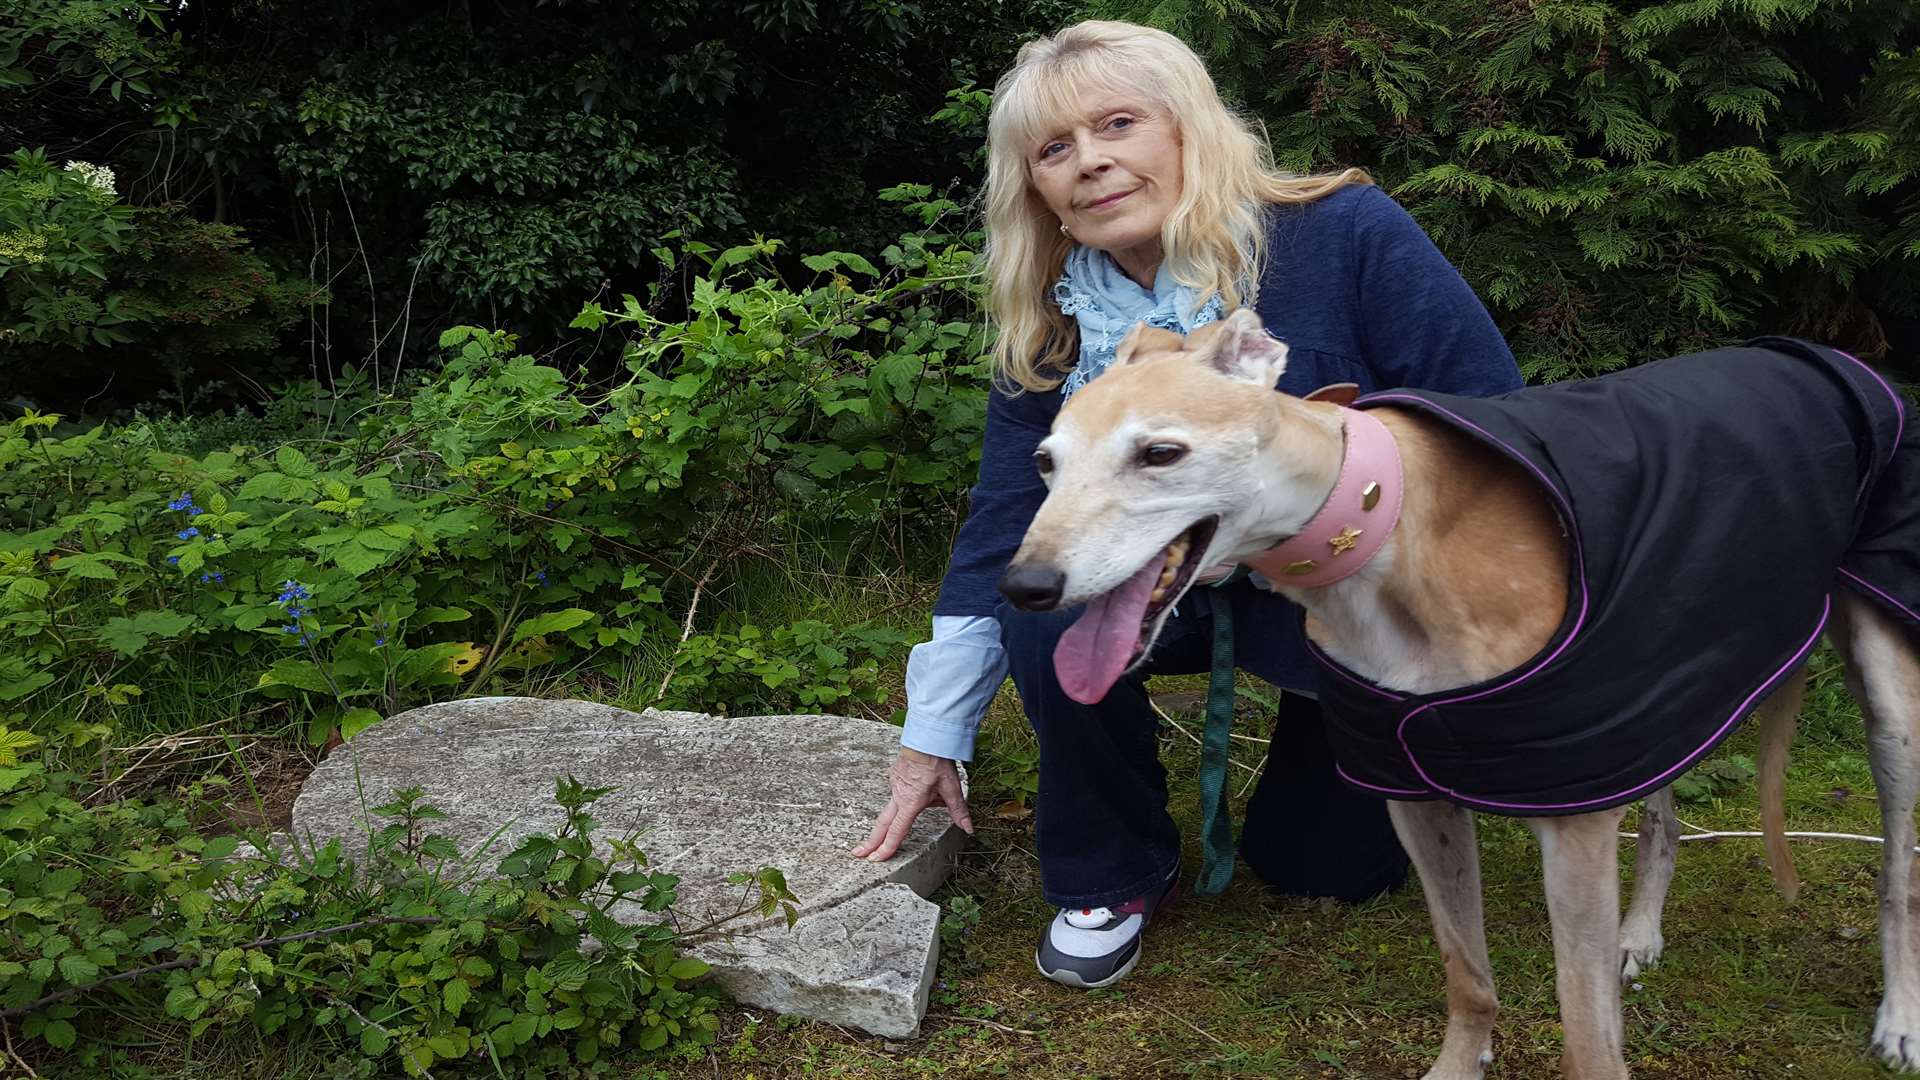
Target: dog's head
<point>1177,458</point>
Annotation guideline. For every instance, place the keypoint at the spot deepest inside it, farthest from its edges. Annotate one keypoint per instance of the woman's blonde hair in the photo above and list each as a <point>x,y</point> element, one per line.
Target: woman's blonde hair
<point>1214,241</point>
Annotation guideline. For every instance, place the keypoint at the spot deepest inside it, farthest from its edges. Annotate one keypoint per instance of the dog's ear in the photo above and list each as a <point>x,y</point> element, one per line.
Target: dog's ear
<point>1244,350</point>
<point>1143,341</point>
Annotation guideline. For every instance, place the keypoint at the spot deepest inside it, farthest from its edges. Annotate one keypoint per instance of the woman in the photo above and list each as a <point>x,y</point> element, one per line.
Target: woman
<point>1121,189</point>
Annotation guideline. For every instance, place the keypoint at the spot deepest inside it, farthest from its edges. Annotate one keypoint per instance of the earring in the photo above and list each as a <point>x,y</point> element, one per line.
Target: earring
<point>1064,231</point>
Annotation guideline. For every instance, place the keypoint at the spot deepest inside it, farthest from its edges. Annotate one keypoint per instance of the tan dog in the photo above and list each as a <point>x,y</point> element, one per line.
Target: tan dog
<point>1182,456</point>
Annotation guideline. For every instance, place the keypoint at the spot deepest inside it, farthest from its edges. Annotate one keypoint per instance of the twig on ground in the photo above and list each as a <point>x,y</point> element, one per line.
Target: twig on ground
<point>1196,739</point>
<point>1191,1024</point>
<point>1713,834</point>
<point>997,1026</point>
<point>686,628</point>
<point>6,1030</point>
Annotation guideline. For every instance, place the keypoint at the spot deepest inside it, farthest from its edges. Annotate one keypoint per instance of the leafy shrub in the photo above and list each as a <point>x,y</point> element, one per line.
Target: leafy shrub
<point>1619,181</point>
<point>404,959</point>
<point>97,291</point>
<point>505,517</point>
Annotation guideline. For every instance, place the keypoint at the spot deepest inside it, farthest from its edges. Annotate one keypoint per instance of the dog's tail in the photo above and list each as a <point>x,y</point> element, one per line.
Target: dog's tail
<point>1778,715</point>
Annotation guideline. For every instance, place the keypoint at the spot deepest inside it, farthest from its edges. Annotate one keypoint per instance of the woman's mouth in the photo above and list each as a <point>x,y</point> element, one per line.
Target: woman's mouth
<point>1102,204</point>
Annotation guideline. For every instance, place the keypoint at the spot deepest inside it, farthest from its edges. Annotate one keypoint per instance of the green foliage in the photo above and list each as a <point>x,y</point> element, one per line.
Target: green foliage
<point>526,191</point>
<point>1712,779</point>
<point>95,46</point>
<point>96,290</point>
<point>405,960</point>
<point>58,228</point>
<point>505,518</point>
<point>1619,181</point>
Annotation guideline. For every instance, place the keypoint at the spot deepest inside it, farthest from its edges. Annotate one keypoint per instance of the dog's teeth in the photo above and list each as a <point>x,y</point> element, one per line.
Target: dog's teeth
<point>1167,575</point>
<point>1159,594</point>
<point>1176,555</point>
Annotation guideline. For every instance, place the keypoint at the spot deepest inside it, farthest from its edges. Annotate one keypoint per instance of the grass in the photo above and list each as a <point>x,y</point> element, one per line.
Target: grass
<point>1247,984</point>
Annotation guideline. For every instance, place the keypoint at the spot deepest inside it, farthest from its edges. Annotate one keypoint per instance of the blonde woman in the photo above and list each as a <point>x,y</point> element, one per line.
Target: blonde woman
<point>1120,189</point>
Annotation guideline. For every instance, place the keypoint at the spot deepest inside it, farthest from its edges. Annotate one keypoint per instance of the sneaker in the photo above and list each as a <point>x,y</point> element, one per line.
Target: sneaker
<point>1094,947</point>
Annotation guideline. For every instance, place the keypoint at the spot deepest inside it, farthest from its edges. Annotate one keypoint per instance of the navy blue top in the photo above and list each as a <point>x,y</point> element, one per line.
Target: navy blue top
<point>1360,295</point>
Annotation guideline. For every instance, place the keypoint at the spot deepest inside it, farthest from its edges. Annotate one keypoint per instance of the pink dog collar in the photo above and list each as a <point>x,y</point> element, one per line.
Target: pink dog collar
<point>1355,521</point>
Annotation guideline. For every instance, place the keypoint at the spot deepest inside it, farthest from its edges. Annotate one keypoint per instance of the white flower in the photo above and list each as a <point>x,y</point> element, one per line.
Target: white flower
<point>98,177</point>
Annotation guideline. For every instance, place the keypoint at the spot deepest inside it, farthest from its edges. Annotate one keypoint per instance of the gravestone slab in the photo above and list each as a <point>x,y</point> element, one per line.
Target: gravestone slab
<point>710,796</point>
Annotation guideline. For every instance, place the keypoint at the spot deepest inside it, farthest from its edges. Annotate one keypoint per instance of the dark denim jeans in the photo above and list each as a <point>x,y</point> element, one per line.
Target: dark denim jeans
<point>1103,831</point>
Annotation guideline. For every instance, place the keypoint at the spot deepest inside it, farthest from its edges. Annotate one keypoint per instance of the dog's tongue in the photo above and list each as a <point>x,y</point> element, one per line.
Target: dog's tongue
<point>1099,645</point>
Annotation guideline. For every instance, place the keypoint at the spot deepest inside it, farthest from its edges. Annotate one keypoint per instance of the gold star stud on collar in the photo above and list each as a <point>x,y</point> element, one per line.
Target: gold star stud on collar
<point>1347,539</point>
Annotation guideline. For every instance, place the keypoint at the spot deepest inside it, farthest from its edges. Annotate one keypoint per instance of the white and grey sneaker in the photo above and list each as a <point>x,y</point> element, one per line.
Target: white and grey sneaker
<point>1095,947</point>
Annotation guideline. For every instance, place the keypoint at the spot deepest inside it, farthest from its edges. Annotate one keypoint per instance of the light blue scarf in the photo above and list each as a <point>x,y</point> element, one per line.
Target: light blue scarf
<point>1107,303</point>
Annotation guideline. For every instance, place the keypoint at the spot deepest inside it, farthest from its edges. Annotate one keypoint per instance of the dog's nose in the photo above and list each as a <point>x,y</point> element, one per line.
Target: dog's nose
<point>1033,588</point>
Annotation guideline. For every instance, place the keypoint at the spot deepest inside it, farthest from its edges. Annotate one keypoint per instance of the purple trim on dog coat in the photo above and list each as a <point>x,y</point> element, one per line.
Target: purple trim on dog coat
<point>1711,504</point>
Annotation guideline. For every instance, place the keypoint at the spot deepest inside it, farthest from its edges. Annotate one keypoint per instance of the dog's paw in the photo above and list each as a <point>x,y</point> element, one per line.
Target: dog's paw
<point>1639,952</point>
<point>1896,1036</point>
<point>1476,1069</point>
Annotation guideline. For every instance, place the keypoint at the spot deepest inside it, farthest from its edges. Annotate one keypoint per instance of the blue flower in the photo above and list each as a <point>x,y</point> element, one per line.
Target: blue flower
<point>291,591</point>
<point>540,576</point>
<point>379,641</point>
<point>185,502</point>
<point>290,628</point>
<point>173,560</point>
<point>295,611</point>
<point>188,533</point>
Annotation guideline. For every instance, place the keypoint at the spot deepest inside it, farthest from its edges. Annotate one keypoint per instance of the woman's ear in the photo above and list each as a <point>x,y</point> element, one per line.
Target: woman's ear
<point>1244,350</point>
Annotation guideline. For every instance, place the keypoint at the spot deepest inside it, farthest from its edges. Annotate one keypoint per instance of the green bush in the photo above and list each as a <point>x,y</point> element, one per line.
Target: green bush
<point>503,517</point>
<point>1619,181</point>
<point>94,291</point>
<point>402,959</point>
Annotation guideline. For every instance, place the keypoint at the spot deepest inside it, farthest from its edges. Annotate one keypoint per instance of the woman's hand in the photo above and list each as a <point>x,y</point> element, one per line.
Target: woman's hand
<point>918,781</point>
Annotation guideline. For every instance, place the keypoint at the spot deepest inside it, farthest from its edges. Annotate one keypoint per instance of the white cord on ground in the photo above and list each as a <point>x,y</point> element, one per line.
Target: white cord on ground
<point>1708,834</point>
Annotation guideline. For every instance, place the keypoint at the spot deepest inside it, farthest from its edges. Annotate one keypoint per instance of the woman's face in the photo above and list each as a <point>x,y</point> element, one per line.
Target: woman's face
<point>1113,176</point>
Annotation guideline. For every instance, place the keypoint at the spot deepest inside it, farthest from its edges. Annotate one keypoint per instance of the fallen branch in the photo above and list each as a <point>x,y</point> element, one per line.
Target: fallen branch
<point>6,1030</point>
<point>686,628</point>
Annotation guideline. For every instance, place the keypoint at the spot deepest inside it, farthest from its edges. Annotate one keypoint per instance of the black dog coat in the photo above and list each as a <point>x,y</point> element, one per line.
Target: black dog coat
<point>1712,502</point>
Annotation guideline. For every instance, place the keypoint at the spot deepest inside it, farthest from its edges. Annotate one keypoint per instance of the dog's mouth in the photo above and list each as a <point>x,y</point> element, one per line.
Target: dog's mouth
<point>1120,625</point>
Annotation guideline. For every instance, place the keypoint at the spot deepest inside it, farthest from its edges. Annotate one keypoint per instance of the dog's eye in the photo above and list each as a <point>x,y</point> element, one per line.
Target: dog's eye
<point>1162,454</point>
<point>1043,461</point>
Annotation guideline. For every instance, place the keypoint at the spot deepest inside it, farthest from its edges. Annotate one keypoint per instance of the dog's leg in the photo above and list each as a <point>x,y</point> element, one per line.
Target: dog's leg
<point>1883,671</point>
<point>1581,859</point>
<point>1440,839</point>
<point>1640,937</point>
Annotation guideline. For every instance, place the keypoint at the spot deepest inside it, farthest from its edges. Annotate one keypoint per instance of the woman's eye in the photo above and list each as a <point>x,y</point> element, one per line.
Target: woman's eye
<point>1120,122</point>
<point>1162,454</point>
<point>1051,149</point>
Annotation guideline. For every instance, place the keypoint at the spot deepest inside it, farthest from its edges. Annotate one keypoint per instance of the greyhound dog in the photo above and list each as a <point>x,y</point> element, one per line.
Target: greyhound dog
<point>1546,605</point>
